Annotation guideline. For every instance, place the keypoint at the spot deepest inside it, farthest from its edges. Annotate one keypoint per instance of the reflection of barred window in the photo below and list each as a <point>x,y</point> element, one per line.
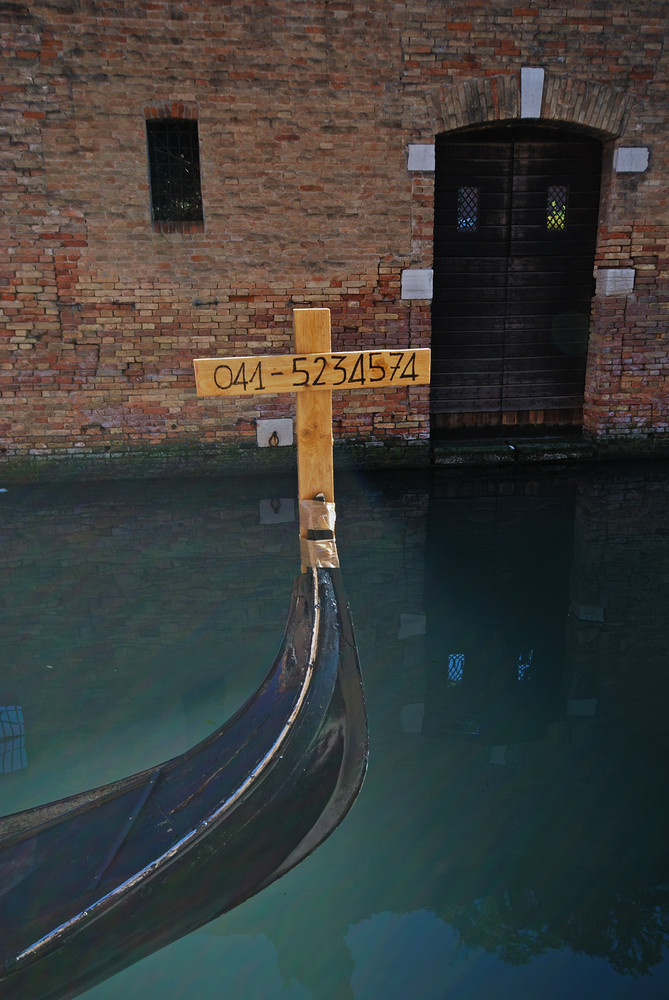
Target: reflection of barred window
<point>456,667</point>
<point>468,209</point>
<point>12,739</point>
<point>525,665</point>
<point>556,207</point>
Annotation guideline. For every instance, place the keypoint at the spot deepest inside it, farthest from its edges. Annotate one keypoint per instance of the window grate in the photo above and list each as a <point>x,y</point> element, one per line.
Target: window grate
<point>174,168</point>
<point>556,208</point>
<point>468,209</point>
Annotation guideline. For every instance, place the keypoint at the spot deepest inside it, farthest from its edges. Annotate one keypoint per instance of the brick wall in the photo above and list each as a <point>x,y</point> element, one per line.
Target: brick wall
<point>305,114</point>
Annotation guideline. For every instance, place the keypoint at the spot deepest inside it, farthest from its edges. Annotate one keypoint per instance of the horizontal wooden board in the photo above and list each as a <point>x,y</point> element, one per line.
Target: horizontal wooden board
<point>489,268</point>
<point>488,403</point>
<point>539,419</point>
<point>271,373</point>
<point>465,330</point>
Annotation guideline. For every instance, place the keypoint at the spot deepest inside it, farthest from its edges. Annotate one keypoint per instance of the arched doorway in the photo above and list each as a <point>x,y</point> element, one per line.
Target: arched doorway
<point>516,210</point>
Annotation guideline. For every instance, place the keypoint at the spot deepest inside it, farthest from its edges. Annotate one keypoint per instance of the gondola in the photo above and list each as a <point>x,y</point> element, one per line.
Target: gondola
<point>92,883</point>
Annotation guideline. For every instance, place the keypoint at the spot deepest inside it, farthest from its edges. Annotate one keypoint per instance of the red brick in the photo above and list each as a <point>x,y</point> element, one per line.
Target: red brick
<point>307,200</point>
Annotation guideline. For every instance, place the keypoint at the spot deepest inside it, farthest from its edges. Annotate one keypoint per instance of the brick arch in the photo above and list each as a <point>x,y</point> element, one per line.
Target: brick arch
<point>171,109</point>
<point>569,101</point>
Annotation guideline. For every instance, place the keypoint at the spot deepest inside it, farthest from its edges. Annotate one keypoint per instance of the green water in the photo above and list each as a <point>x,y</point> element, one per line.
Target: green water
<point>510,839</point>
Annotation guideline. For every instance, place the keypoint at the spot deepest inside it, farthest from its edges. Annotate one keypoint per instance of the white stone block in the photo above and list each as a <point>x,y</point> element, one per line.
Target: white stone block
<point>278,510</point>
<point>417,283</point>
<point>266,429</point>
<point>411,625</point>
<point>412,718</point>
<point>630,159</point>
<point>588,612</point>
<point>421,157</point>
<point>583,707</point>
<point>614,280</point>
<point>531,91</point>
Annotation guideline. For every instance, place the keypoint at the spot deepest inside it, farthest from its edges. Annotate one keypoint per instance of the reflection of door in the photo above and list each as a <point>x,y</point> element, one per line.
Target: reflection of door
<point>516,214</point>
<point>497,572</point>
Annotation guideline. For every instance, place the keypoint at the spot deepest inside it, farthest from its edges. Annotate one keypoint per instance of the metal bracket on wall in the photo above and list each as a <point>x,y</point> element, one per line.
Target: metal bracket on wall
<point>274,433</point>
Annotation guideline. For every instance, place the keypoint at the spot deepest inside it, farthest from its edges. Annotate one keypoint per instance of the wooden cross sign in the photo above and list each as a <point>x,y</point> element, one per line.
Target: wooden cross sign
<point>312,373</point>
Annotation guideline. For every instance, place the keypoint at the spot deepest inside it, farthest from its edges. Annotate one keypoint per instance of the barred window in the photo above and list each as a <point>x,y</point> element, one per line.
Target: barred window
<point>468,209</point>
<point>174,169</point>
<point>556,207</point>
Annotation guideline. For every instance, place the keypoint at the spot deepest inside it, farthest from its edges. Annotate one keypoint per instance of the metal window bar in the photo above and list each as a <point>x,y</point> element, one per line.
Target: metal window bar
<point>468,209</point>
<point>12,739</point>
<point>174,168</point>
<point>556,207</point>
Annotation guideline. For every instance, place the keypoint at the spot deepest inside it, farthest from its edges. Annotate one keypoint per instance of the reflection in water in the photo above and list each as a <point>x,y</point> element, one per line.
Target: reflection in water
<point>510,839</point>
<point>12,739</point>
<point>559,761</point>
<point>497,573</point>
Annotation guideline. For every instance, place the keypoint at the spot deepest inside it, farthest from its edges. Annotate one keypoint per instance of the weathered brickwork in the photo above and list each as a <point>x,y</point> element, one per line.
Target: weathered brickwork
<point>305,114</point>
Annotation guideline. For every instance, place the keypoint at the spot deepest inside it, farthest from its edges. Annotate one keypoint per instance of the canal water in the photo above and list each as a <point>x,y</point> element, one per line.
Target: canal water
<point>511,836</point>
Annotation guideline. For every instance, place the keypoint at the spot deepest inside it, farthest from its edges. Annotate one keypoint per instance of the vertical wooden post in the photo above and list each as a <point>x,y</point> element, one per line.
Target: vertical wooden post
<point>315,474</point>
<point>312,373</point>
<point>314,411</point>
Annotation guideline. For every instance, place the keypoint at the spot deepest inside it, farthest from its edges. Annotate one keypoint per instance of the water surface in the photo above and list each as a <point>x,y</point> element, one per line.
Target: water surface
<point>510,839</point>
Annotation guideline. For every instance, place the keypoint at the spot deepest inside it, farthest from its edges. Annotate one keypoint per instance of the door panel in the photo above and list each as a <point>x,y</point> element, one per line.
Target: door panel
<point>515,230</point>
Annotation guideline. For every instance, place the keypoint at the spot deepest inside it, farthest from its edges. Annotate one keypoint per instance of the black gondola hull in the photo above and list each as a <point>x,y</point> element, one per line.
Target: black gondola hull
<point>216,825</point>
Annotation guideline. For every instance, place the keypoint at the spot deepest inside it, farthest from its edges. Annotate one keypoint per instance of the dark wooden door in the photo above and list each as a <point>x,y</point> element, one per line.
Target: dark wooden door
<point>515,230</point>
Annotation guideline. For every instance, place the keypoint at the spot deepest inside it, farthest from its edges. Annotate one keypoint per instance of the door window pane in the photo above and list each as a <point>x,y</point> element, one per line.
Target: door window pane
<point>468,209</point>
<point>556,207</point>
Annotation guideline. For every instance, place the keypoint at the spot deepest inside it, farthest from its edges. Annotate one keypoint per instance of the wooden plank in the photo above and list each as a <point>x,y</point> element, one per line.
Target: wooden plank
<point>311,370</point>
<point>312,373</point>
<point>313,422</point>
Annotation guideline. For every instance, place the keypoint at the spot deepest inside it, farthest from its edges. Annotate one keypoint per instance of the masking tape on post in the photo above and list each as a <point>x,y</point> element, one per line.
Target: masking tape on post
<point>319,552</point>
<point>317,515</point>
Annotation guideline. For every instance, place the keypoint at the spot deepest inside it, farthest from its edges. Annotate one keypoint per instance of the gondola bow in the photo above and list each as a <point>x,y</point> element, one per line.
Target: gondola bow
<point>94,882</point>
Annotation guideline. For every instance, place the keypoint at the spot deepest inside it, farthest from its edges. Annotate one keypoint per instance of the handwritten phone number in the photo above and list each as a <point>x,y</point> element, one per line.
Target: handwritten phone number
<point>326,371</point>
